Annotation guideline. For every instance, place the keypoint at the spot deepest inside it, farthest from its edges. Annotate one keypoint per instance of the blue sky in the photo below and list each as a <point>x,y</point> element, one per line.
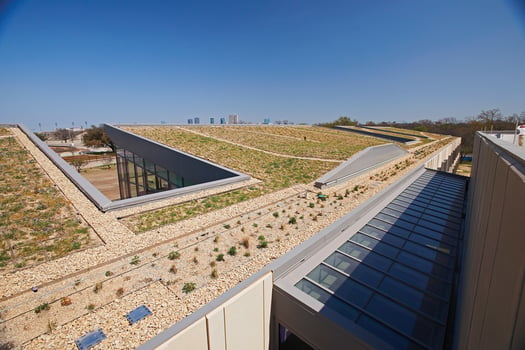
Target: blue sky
<point>65,62</point>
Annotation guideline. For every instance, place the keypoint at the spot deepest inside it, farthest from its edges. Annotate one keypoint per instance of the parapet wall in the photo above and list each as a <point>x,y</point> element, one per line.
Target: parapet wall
<point>491,302</point>
<point>239,319</point>
<point>447,158</point>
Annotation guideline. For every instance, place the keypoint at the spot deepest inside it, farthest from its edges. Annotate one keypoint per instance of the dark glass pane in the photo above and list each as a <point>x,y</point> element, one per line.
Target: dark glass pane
<point>408,322</point>
<point>386,334</point>
<point>375,245</point>
<point>414,298</point>
<point>365,255</point>
<point>420,280</point>
<point>327,299</point>
<point>428,253</point>
<point>360,272</point>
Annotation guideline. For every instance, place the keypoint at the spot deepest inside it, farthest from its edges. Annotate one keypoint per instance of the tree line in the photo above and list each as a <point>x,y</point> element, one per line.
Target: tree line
<point>486,120</point>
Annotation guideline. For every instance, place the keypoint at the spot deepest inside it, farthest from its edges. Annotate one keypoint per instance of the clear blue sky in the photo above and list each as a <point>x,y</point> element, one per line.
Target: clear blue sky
<point>94,61</point>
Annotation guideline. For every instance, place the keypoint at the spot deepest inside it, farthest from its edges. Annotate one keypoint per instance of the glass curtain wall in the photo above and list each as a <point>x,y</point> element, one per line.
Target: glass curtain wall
<point>138,176</point>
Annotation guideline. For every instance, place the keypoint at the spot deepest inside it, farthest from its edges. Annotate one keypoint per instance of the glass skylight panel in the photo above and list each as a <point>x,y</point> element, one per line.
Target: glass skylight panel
<point>430,254</point>
<point>360,272</point>
<point>400,215</point>
<point>327,299</point>
<point>435,235</point>
<point>393,220</point>
<point>375,245</point>
<point>405,320</point>
<point>386,334</point>
<point>423,265</point>
<point>416,299</point>
<point>365,255</point>
<point>404,210</point>
<point>390,228</point>
<point>393,275</point>
<point>382,235</point>
<point>436,227</point>
<point>345,288</point>
<point>432,243</point>
<point>420,280</point>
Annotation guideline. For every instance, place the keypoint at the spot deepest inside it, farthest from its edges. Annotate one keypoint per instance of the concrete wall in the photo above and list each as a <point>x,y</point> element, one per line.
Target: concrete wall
<point>491,303</point>
<point>447,158</point>
<point>194,169</point>
<point>241,321</point>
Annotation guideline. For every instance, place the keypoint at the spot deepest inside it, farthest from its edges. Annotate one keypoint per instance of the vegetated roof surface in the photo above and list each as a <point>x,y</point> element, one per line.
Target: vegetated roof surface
<point>37,222</point>
<point>278,156</point>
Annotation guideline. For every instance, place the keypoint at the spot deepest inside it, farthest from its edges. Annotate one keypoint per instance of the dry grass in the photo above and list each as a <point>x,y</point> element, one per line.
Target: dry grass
<point>36,222</point>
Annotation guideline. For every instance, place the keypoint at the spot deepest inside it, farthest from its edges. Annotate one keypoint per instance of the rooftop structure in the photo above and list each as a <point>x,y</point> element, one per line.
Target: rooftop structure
<point>154,258</point>
<point>427,264</point>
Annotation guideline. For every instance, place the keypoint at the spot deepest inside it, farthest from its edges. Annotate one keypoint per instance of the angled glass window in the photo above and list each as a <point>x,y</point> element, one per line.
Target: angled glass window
<point>365,255</point>
<point>327,299</point>
<point>352,267</point>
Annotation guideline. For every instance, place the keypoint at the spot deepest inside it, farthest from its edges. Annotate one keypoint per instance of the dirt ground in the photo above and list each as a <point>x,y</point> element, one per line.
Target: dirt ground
<point>464,168</point>
<point>104,179</point>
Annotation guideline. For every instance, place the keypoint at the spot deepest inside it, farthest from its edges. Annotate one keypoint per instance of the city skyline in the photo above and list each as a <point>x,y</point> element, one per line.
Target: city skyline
<point>78,64</point>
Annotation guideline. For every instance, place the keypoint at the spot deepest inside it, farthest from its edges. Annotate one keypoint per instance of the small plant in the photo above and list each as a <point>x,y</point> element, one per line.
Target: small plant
<point>255,225</point>
<point>247,254</point>
<point>227,226</point>
<point>216,239</point>
<point>232,251</point>
<point>238,222</point>
<point>214,274</point>
<point>90,307</point>
<point>292,220</point>
<point>76,245</point>
<point>173,255</point>
<point>135,260</point>
<point>347,192</point>
<point>242,229</point>
<point>311,205</point>
<point>154,255</point>
<point>120,292</point>
<point>108,273</point>
<point>42,307</point>
<point>340,197</point>
<point>173,269</point>
<point>213,263</point>
<point>195,260</point>
<point>220,257</point>
<point>275,214</point>
<point>98,287</point>
<point>196,249</point>
<point>356,188</point>
<point>263,243</point>
<point>216,249</point>
<point>189,287</point>
<point>269,226</point>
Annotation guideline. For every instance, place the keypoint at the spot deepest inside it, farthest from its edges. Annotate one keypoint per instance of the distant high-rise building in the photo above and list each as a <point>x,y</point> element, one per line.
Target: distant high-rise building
<point>212,120</point>
<point>223,120</point>
<point>196,120</point>
<point>190,121</point>
<point>266,121</point>
<point>233,119</point>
